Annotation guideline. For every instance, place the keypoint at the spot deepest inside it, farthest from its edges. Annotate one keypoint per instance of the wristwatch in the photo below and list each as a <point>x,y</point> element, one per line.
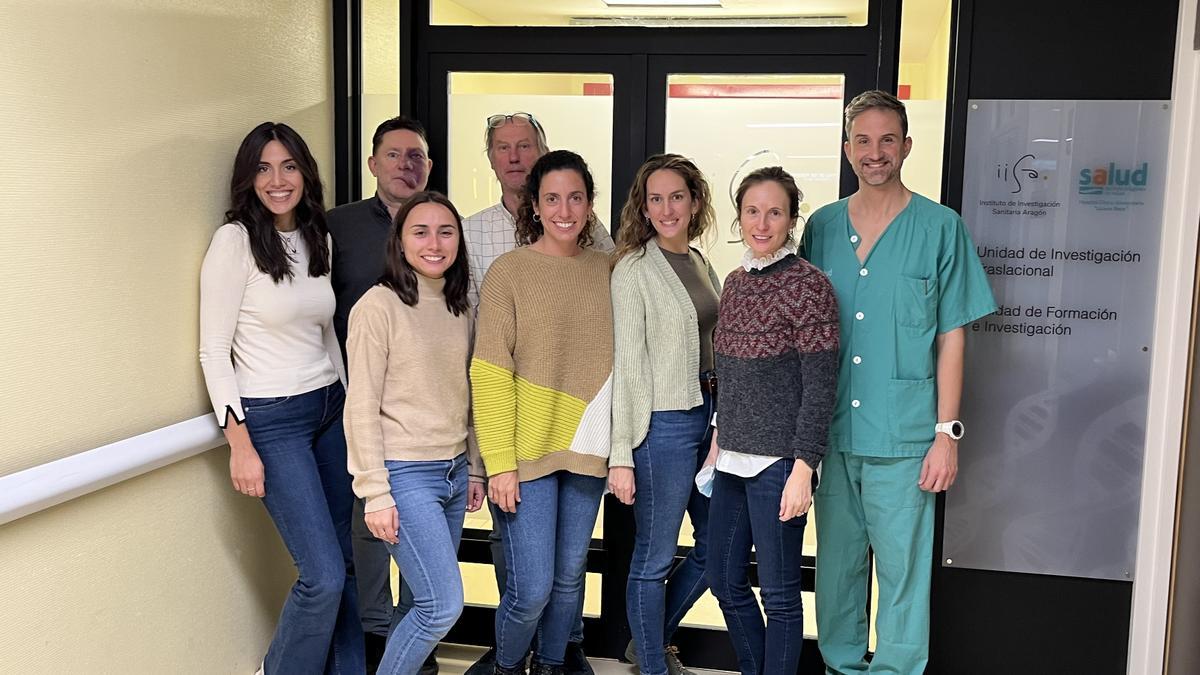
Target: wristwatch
<point>953,429</point>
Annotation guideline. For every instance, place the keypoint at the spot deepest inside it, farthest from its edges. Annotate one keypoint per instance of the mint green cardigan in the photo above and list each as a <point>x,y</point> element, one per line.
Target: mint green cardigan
<point>656,347</point>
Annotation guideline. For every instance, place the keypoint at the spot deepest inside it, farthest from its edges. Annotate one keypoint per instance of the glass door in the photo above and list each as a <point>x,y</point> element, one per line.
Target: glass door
<point>731,114</point>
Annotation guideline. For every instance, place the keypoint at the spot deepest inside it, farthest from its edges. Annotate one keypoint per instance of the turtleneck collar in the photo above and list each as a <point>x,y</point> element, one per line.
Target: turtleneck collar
<point>427,286</point>
<point>750,263</point>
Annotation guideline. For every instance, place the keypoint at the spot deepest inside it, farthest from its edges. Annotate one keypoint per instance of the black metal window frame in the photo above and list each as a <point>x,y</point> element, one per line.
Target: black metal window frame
<point>639,59</point>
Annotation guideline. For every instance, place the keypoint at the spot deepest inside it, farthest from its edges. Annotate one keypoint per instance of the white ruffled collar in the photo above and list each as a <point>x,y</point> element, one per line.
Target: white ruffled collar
<point>750,263</point>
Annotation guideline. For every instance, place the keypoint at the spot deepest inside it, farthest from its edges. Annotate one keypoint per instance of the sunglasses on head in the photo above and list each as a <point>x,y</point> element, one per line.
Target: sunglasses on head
<point>498,120</point>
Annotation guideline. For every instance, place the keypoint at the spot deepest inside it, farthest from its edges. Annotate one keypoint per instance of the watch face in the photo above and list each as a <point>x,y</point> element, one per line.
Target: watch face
<point>956,429</point>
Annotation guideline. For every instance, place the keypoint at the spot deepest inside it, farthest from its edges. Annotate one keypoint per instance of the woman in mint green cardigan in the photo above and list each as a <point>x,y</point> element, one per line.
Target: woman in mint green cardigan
<point>664,296</point>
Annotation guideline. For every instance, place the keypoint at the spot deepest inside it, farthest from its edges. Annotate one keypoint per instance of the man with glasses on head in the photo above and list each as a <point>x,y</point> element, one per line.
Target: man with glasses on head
<point>514,142</point>
<point>400,163</point>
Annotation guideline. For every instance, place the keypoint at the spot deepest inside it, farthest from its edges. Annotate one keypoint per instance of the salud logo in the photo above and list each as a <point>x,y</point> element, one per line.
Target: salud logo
<point>1113,179</point>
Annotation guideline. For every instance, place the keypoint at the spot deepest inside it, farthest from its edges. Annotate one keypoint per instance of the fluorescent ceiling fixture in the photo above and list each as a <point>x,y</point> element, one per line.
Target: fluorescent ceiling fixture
<point>663,3</point>
<point>791,125</point>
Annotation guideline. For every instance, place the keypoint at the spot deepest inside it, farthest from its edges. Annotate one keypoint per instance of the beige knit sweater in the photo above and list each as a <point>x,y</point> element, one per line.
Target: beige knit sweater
<point>408,397</point>
<point>541,376</point>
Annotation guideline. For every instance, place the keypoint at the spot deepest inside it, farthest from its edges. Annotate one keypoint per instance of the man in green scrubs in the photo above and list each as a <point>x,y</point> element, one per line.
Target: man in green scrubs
<point>907,280</point>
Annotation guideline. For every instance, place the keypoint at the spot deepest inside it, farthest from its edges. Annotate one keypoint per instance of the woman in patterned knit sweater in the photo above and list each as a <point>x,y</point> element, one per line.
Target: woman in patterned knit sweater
<point>407,418</point>
<point>541,380</point>
<point>776,346</point>
<point>664,296</point>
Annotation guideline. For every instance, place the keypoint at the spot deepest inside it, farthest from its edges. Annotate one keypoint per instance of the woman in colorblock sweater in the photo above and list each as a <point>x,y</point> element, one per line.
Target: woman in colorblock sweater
<point>664,296</point>
<point>274,374</point>
<point>413,458</point>
<point>776,348</point>
<point>541,384</point>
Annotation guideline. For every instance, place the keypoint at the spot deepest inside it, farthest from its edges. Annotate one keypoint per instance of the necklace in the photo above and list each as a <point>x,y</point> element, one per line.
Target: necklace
<point>290,245</point>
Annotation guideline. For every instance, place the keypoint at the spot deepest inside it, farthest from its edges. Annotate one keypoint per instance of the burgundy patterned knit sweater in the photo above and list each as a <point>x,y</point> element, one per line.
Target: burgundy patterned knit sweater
<point>776,347</point>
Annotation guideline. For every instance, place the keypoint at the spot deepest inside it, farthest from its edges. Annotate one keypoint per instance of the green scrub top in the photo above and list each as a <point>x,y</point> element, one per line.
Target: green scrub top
<point>921,279</point>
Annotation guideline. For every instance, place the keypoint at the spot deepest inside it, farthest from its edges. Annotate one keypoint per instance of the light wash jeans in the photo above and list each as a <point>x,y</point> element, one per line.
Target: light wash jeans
<point>545,549</point>
<point>431,501</point>
<point>303,450</point>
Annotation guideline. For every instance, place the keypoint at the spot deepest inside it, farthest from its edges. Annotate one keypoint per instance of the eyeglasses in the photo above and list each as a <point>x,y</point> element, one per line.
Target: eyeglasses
<point>499,120</point>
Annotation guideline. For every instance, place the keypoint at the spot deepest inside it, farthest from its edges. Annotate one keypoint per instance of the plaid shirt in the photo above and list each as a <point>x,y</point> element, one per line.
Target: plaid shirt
<point>493,232</point>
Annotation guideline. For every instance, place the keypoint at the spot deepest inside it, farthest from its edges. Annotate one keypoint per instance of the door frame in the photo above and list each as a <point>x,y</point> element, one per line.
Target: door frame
<point>639,60</point>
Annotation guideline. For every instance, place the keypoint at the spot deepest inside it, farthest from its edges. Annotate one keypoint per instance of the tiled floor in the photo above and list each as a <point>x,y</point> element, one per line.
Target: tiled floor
<point>455,659</point>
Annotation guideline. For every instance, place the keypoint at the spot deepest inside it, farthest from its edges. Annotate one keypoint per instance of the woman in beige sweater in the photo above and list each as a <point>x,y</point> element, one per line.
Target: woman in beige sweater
<point>409,445</point>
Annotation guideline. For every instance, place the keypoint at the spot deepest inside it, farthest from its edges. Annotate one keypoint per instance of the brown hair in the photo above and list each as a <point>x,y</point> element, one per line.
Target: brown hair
<point>773,174</point>
<point>876,99</point>
<point>529,227</point>
<point>636,229</point>
<point>400,277</point>
<point>245,206</point>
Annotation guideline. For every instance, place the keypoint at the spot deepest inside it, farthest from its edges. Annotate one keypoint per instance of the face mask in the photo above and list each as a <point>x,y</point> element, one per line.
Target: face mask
<point>704,480</point>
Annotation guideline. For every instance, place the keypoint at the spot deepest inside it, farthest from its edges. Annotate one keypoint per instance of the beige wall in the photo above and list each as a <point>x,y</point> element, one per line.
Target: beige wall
<point>118,122</point>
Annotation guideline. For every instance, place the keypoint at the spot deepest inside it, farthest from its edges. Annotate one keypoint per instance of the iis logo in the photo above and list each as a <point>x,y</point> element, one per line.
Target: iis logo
<point>1113,179</point>
<point>1019,169</point>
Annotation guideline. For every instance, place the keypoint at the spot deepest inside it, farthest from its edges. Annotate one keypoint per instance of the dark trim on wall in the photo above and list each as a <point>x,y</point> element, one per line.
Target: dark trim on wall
<point>408,54</point>
<point>1029,50</point>
<point>955,142</point>
<point>887,71</point>
<point>347,100</point>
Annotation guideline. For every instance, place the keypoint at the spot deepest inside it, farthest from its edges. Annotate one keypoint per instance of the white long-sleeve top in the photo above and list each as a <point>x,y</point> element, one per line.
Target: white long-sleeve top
<point>261,339</point>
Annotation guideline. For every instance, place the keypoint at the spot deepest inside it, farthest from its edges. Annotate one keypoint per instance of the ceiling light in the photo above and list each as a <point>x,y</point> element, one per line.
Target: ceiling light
<point>674,21</point>
<point>663,3</point>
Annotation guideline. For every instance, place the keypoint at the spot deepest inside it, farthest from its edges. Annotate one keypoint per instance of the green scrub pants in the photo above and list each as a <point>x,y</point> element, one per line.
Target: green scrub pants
<point>873,501</point>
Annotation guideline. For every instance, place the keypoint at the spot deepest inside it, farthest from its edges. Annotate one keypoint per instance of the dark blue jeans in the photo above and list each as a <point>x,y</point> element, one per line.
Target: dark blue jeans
<point>665,466</point>
<point>431,502</point>
<point>500,569</point>
<point>745,512</point>
<point>545,549</point>
<point>303,451</point>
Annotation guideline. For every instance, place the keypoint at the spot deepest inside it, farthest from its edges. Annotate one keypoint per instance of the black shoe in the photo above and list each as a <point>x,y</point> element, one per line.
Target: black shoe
<point>575,661</point>
<point>374,644</point>
<point>430,667</point>
<point>539,668</point>
<point>485,665</point>
<point>497,669</point>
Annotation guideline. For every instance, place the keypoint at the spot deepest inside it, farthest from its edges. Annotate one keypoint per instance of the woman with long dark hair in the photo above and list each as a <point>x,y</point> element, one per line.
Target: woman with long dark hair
<point>275,376</point>
<point>407,417</point>
<point>664,296</point>
<point>541,382</point>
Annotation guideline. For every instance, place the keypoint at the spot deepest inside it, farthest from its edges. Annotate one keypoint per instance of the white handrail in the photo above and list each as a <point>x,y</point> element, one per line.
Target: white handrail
<point>53,483</point>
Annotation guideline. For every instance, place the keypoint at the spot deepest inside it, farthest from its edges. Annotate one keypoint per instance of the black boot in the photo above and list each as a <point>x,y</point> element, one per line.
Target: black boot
<point>497,669</point>
<point>575,661</point>
<point>430,667</point>
<point>539,668</point>
<point>485,665</point>
<point>374,644</point>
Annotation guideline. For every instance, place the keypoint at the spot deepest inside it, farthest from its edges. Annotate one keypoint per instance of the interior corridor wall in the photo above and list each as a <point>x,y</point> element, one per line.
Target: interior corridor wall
<point>119,120</point>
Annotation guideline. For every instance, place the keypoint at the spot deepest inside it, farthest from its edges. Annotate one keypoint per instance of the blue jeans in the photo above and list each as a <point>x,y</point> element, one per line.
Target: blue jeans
<point>745,512</point>
<point>431,501</point>
<point>500,569</point>
<point>665,466</point>
<point>545,549</point>
<point>303,451</point>
<point>373,574</point>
